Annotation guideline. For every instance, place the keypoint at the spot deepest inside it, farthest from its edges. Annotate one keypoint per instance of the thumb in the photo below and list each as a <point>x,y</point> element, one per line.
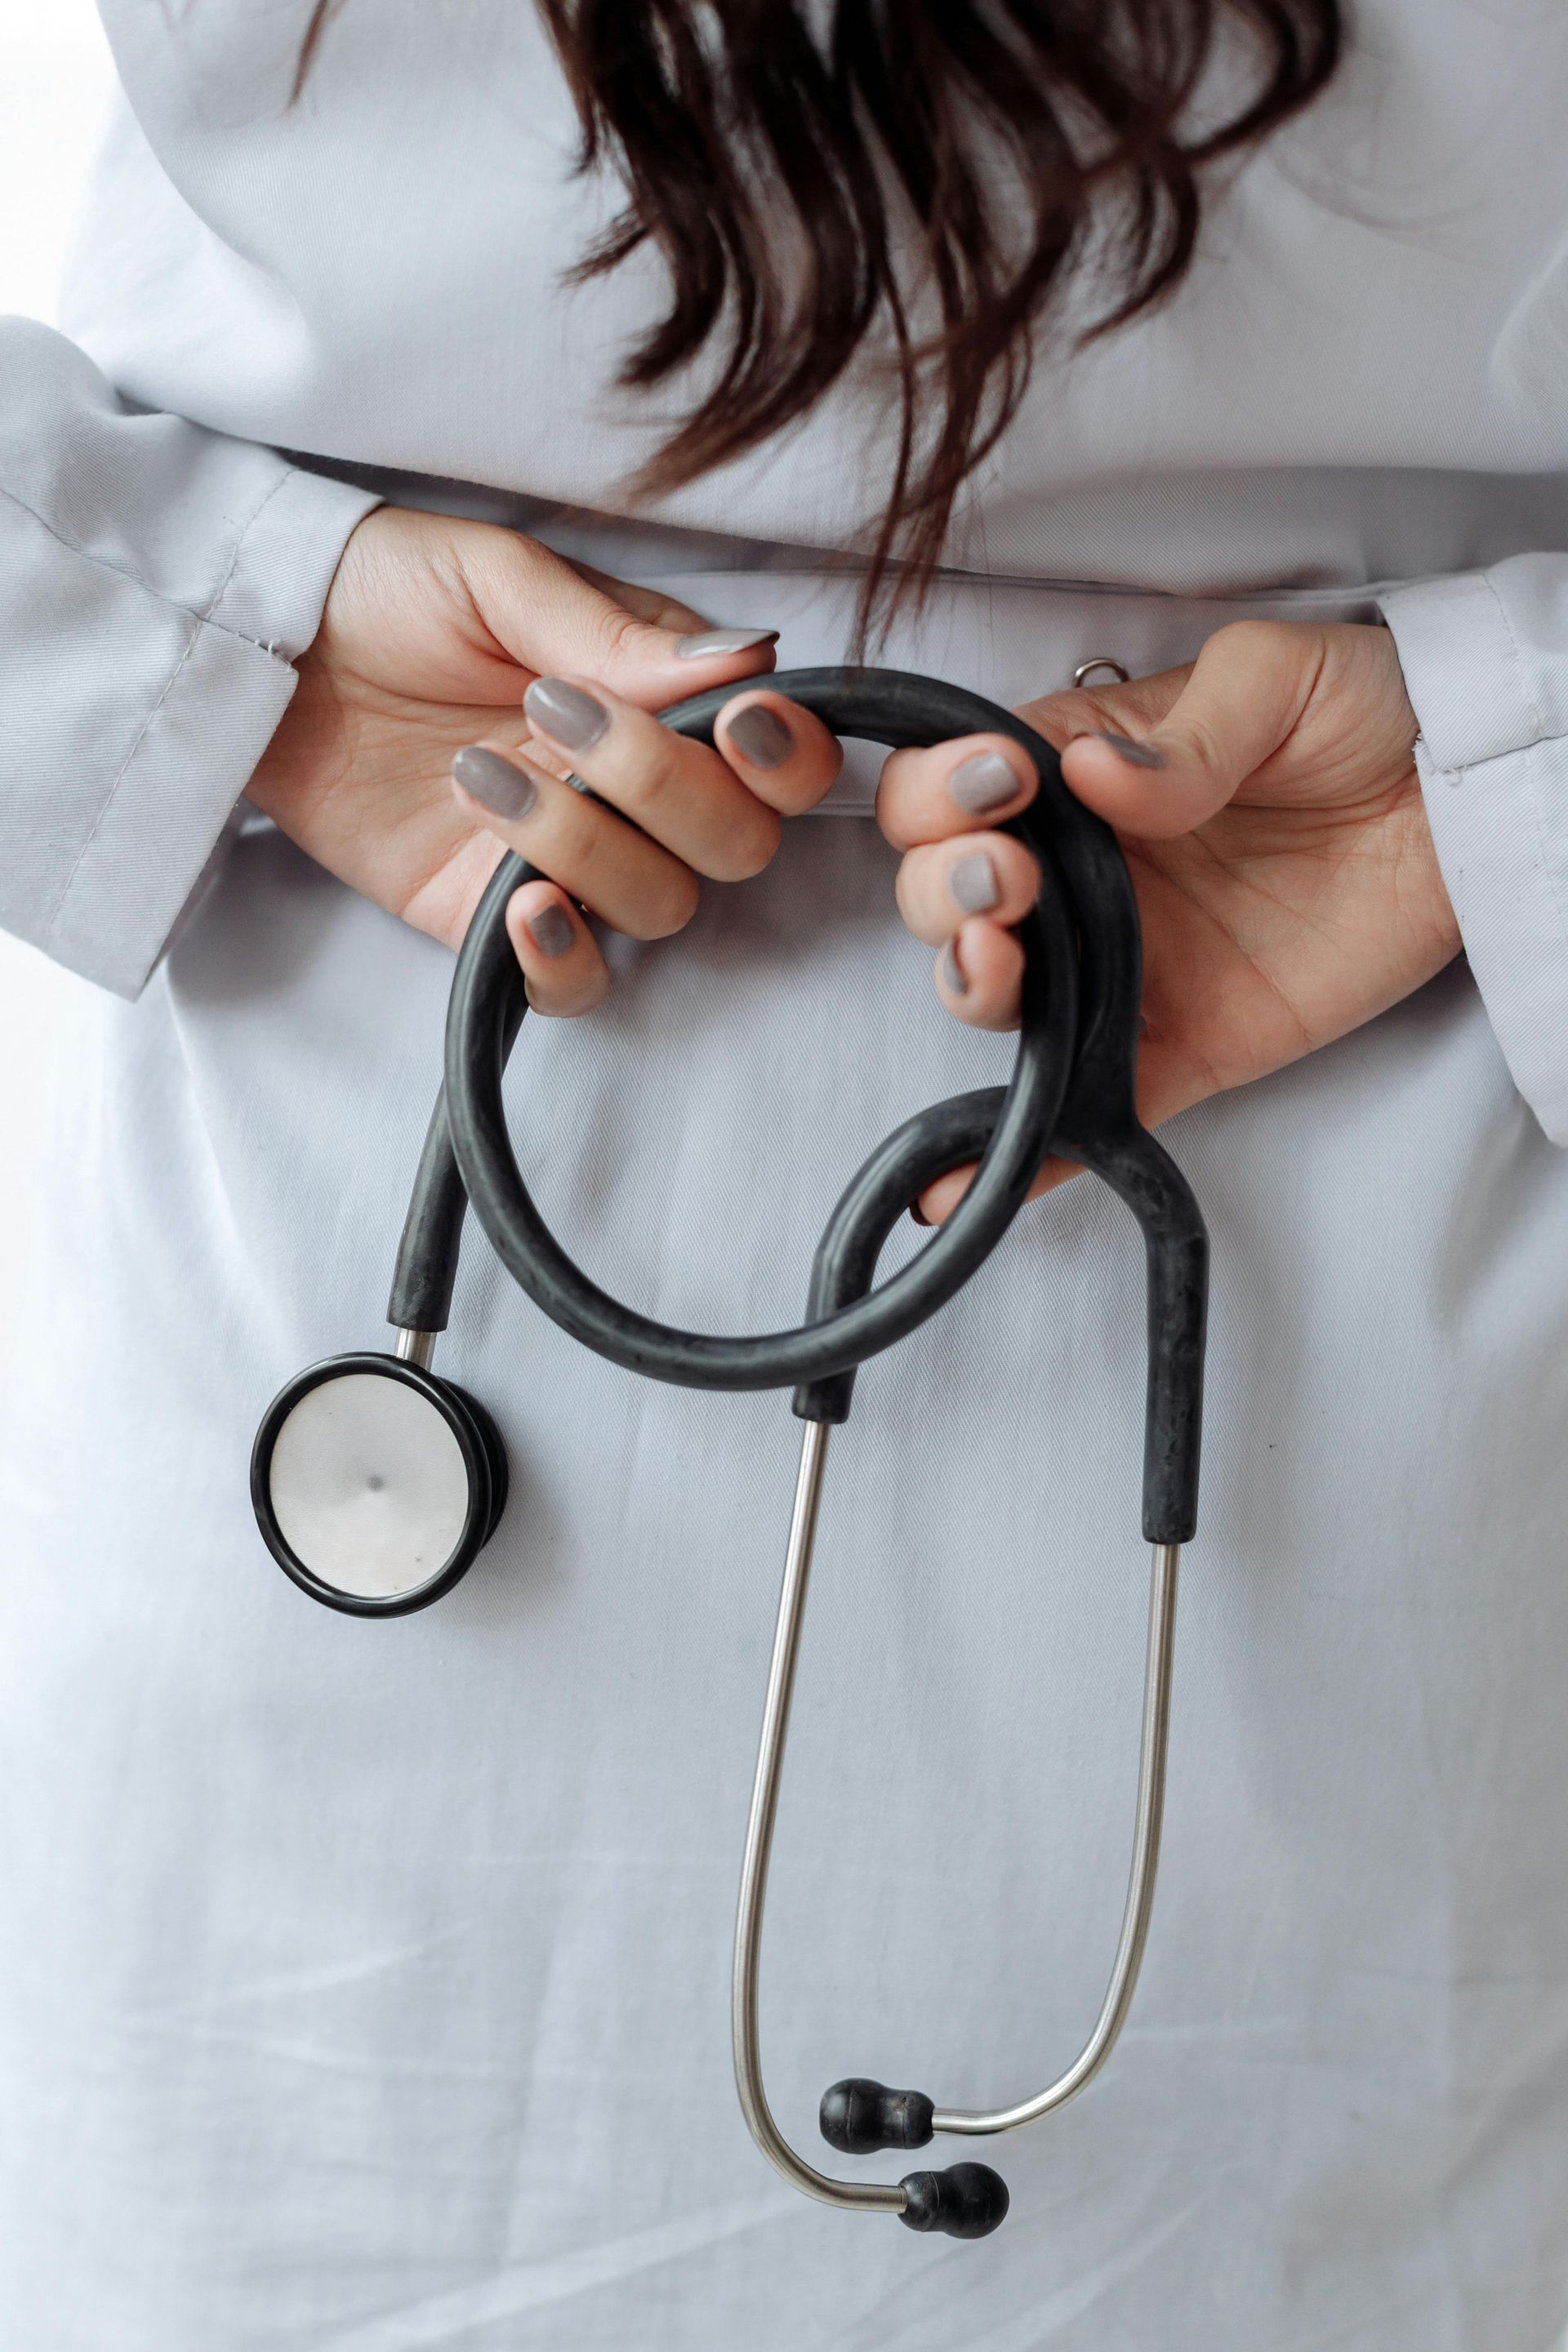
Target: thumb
<point>551,620</point>
<point>1242,699</point>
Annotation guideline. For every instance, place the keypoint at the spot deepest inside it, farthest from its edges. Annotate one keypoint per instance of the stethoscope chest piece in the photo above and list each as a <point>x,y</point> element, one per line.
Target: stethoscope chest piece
<point>376,1484</point>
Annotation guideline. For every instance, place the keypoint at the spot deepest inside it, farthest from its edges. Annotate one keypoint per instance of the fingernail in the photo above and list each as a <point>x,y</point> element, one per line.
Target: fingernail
<point>565,713</point>
<point>985,780</point>
<point>1137,755</point>
<point>704,642</point>
<point>550,930</point>
<point>497,784</point>
<point>760,735</point>
<point>952,971</point>
<point>973,884</point>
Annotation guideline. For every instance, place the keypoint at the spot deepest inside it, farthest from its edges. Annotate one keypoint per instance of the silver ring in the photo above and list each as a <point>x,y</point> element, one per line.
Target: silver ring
<point>1099,661</point>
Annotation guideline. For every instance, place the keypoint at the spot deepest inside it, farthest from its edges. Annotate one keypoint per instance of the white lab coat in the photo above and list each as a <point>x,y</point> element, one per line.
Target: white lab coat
<point>365,1986</point>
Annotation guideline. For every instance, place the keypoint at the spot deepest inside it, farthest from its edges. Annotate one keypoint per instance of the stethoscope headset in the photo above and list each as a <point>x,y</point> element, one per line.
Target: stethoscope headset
<point>377,1482</point>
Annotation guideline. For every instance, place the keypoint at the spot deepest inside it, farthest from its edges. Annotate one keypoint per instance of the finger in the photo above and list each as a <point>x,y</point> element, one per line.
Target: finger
<point>952,788</point>
<point>1168,1082</point>
<point>978,975</point>
<point>628,881</point>
<point>560,956</point>
<point>647,604</point>
<point>940,887</point>
<point>781,753</point>
<point>547,617</point>
<point>676,791</point>
<point>1244,693</point>
<point>1135,706</point>
<point>938,1202</point>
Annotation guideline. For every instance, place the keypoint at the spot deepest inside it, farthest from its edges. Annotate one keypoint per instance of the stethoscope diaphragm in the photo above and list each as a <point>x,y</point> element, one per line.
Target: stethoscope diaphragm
<point>376,1483</point>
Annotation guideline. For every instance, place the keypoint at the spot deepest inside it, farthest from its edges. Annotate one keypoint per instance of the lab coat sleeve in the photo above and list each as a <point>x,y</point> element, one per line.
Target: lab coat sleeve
<point>157,582</point>
<point>1485,656</point>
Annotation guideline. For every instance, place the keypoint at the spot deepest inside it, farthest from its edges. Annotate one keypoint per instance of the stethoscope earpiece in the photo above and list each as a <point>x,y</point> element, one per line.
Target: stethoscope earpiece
<point>376,1484</point>
<point>858,2118</point>
<point>967,2200</point>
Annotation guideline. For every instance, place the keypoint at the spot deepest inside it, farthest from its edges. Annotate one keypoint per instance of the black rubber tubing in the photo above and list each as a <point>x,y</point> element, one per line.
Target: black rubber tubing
<point>1072,1084</point>
<point>487,991</point>
<point>1145,1177</point>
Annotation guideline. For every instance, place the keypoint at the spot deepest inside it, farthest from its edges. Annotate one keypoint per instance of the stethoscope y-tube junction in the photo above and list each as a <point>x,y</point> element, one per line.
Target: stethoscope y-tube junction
<point>376,1482</point>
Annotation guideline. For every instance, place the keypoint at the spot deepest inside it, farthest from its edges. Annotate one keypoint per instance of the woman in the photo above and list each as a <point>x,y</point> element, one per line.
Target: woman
<point>366,1985</point>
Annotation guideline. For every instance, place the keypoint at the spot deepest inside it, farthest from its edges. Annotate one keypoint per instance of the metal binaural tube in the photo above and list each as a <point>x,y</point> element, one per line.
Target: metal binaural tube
<point>1139,1904</point>
<point>886,2197</point>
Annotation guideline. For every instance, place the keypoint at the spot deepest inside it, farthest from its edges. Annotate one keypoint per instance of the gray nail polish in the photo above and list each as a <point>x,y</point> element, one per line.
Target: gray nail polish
<point>973,884</point>
<point>703,642</point>
<point>550,930</point>
<point>496,783</point>
<point>565,713</point>
<point>1137,755</point>
<point>983,781</point>
<point>760,735</point>
<point>952,971</point>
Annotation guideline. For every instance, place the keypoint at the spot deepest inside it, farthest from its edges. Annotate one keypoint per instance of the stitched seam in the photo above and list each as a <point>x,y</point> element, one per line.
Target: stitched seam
<point>198,624</point>
<point>1548,870</point>
<point>199,621</point>
<point>1454,772</point>
<point>1537,716</point>
<point>1550,879</point>
<point>222,589</point>
<point>124,572</point>
<point>1514,1032</point>
<point>1463,768</point>
<point>102,564</point>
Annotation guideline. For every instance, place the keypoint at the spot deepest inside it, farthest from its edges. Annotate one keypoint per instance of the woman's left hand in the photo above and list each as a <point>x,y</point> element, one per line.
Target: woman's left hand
<point>1266,802</point>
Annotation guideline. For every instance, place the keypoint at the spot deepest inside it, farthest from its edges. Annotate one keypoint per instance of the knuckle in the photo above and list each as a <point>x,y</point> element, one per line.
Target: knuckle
<point>585,997</point>
<point>622,638</point>
<point>667,905</point>
<point>652,766</point>
<point>1203,744</point>
<point>1257,641</point>
<point>921,891</point>
<point>893,797</point>
<point>903,889</point>
<point>747,851</point>
<point>577,832</point>
<point>1054,714</point>
<point>1021,871</point>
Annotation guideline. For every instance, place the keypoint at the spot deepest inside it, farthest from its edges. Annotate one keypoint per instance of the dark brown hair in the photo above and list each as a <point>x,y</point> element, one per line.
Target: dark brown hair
<point>929,173</point>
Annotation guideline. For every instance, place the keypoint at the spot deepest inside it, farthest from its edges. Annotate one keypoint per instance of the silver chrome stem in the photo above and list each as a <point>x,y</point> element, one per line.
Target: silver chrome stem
<point>885,2197</point>
<point>415,1348</point>
<point>1140,1884</point>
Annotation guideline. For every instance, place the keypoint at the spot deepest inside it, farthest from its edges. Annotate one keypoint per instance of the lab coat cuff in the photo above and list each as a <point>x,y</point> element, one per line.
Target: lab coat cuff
<point>208,716</point>
<point>1490,690</point>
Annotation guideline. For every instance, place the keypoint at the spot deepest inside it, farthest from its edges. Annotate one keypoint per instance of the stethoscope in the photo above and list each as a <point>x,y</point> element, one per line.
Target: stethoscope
<point>377,1482</point>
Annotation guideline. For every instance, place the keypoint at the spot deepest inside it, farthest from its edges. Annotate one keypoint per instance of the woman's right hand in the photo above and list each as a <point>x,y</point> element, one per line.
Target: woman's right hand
<point>451,648</point>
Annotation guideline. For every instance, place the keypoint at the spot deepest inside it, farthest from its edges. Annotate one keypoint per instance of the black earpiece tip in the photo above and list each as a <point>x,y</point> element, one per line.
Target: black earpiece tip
<point>967,2200</point>
<point>859,2116</point>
